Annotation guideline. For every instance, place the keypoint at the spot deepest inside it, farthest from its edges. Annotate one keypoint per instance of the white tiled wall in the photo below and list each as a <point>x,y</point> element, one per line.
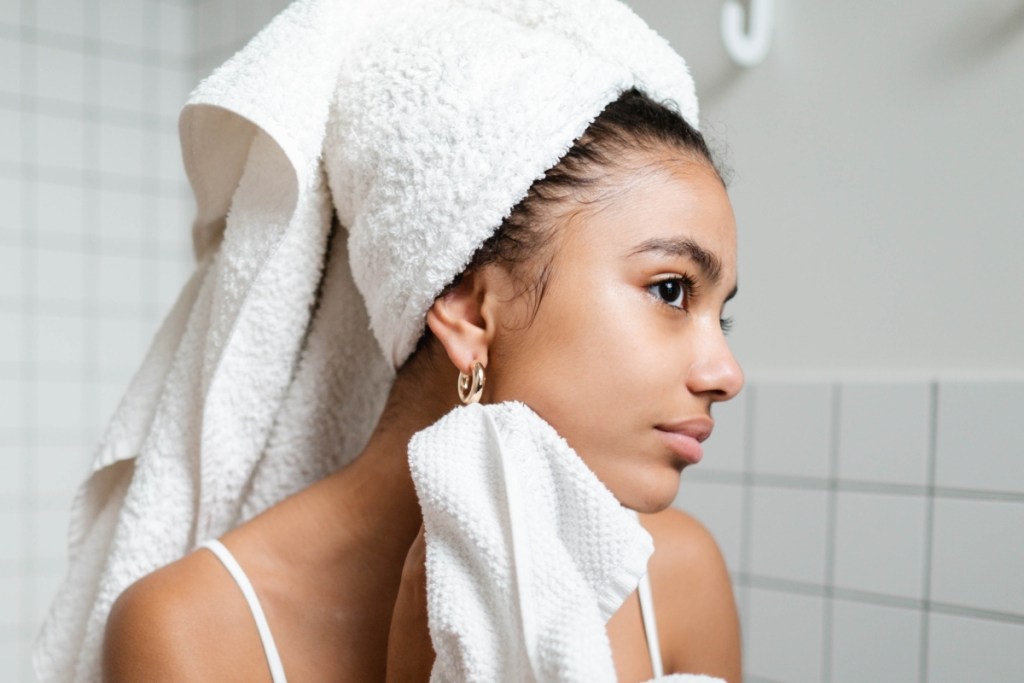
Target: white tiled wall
<point>861,544</point>
<point>788,533</point>
<point>94,245</point>
<point>791,422</point>
<point>874,643</point>
<point>894,448</point>
<point>874,530</point>
<point>969,648</point>
<point>794,650</point>
<point>978,554</point>
<point>224,26</point>
<point>979,439</point>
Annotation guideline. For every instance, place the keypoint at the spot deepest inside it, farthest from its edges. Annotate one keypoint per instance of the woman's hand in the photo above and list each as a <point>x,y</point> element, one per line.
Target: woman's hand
<point>410,652</point>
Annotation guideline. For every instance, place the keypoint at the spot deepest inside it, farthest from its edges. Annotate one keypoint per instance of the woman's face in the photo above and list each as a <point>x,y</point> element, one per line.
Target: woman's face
<point>627,353</point>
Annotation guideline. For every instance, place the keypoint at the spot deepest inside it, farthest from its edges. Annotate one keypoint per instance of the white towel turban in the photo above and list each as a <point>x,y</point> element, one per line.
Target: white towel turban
<point>423,122</point>
<point>444,117</point>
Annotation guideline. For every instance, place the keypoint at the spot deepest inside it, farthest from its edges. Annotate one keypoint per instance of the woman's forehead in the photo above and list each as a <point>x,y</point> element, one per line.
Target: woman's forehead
<point>682,211</point>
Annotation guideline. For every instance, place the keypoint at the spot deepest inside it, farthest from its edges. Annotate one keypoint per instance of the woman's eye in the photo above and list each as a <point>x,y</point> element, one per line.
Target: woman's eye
<point>672,292</point>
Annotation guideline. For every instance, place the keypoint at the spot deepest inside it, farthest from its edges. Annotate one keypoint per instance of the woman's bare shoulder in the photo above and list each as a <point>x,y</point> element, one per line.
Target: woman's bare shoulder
<point>681,538</point>
<point>697,620</point>
<point>184,622</point>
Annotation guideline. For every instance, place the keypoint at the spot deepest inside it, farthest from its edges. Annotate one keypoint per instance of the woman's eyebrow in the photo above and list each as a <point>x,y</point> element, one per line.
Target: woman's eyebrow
<point>709,264</point>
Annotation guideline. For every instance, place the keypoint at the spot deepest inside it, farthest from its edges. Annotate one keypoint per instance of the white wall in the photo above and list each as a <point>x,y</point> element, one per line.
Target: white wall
<point>879,152</point>
<point>222,27</point>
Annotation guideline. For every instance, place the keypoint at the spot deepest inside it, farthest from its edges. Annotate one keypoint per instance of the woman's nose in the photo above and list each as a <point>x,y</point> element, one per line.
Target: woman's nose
<point>715,372</point>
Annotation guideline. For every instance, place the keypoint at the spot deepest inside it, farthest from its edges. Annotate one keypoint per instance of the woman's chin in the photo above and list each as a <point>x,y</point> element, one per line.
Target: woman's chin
<point>649,494</point>
<point>650,507</point>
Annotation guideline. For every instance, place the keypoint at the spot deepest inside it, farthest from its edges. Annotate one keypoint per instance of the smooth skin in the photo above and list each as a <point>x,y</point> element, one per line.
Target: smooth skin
<point>612,354</point>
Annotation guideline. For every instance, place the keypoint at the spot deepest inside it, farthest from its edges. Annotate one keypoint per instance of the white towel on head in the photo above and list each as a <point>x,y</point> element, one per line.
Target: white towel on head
<point>273,365</point>
<point>528,553</point>
<point>509,85</point>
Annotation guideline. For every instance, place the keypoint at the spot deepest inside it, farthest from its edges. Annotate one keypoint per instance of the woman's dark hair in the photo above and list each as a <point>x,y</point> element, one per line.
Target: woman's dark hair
<point>631,123</point>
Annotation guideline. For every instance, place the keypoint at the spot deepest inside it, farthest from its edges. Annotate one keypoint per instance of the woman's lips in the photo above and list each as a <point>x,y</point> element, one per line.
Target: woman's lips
<point>685,439</point>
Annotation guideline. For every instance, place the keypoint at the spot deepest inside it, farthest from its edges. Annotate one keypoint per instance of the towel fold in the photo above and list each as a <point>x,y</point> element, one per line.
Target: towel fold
<point>528,553</point>
<point>245,395</point>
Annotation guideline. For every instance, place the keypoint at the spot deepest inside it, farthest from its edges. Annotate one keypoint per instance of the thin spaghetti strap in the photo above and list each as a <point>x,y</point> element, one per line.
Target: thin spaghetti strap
<point>650,624</point>
<point>235,569</point>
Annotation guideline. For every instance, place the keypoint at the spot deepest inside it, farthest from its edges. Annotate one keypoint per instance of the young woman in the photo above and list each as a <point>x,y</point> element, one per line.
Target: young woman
<point>599,304</point>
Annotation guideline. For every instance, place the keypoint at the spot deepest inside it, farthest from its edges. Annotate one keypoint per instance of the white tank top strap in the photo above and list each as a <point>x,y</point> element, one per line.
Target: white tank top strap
<point>274,660</point>
<point>235,569</point>
<point>650,624</point>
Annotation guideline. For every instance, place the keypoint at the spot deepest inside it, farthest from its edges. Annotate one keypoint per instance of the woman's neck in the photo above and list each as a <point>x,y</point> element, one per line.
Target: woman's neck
<point>368,509</point>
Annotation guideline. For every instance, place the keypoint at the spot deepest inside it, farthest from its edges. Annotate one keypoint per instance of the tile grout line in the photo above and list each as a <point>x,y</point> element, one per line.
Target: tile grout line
<point>94,179</point>
<point>789,481</point>
<point>60,243</point>
<point>974,612</point>
<point>89,45</point>
<point>90,113</point>
<point>746,513</point>
<point>835,398</point>
<point>193,60</point>
<point>929,532</point>
<point>91,160</point>
<point>795,587</point>
<point>150,251</point>
<point>52,307</point>
<point>29,132</point>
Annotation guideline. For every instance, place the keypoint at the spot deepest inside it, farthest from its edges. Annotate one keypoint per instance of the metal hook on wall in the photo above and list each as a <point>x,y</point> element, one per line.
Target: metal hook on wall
<point>747,47</point>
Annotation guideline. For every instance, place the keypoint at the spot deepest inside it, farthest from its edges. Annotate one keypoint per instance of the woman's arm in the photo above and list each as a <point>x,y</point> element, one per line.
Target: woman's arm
<point>145,639</point>
<point>697,620</point>
<point>184,622</point>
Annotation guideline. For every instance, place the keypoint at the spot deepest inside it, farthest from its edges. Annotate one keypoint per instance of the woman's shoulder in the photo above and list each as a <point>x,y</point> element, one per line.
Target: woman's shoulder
<point>181,623</point>
<point>681,538</point>
<point>696,612</point>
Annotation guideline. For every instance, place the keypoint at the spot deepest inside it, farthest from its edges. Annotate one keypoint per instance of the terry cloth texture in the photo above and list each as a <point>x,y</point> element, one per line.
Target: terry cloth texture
<point>528,553</point>
<point>420,124</point>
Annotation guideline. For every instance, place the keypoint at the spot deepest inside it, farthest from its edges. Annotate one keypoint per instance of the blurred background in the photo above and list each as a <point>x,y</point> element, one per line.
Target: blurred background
<point>867,488</point>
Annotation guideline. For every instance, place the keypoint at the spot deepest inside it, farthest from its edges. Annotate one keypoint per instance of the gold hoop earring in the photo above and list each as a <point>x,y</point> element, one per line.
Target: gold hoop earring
<point>470,392</point>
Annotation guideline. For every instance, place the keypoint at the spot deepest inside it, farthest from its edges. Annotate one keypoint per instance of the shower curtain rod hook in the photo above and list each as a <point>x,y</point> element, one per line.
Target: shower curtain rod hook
<point>747,45</point>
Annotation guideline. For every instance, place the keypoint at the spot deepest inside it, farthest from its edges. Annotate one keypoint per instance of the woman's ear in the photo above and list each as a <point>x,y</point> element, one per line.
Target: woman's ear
<point>457,320</point>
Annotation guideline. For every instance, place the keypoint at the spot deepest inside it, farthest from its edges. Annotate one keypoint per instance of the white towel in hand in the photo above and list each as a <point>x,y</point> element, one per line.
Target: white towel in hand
<point>528,553</point>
